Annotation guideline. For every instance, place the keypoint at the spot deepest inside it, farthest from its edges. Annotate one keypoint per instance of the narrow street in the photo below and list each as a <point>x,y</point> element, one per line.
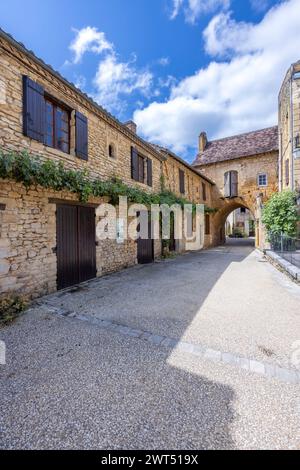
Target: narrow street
<point>192,352</point>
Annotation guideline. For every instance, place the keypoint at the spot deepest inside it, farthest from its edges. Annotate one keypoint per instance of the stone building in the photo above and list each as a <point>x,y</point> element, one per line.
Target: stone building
<point>48,238</point>
<point>244,169</point>
<point>240,222</point>
<point>184,180</point>
<point>289,130</point>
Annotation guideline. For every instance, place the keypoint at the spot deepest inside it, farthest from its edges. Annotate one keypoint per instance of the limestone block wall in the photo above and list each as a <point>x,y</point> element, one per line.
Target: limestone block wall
<point>28,262</point>
<point>103,129</point>
<point>289,129</point>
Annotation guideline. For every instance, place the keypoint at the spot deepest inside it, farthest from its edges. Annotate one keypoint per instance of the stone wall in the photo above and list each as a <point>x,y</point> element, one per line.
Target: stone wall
<point>249,192</point>
<point>103,130</point>
<point>289,128</point>
<point>28,262</point>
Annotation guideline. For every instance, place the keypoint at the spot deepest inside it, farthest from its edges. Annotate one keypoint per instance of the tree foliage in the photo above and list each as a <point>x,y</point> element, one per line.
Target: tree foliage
<point>280,214</point>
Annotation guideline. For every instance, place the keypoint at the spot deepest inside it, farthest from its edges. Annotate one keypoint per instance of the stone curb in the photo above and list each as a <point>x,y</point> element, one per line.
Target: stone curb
<point>284,264</point>
<point>269,371</point>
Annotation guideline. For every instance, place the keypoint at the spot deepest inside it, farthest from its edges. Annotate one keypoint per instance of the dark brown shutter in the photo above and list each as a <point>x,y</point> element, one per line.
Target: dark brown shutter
<point>134,164</point>
<point>81,136</point>
<point>287,172</point>
<point>207,224</point>
<point>149,172</point>
<point>233,183</point>
<point>181,182</point>
<point>204,191</point>
<point>33,110</point>
<point>227,184</point>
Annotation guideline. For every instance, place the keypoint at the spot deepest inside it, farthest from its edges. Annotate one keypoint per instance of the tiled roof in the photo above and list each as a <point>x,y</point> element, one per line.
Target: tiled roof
<point>237,146</point>
<point>21,47</point>
<point>166,151</point>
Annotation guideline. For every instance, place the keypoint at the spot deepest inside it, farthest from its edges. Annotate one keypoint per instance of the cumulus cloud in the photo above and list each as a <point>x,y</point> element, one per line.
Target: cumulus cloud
<point>114,79</point>
<point>194,8</point>
<point>89,39</point>
<point>238,92</point>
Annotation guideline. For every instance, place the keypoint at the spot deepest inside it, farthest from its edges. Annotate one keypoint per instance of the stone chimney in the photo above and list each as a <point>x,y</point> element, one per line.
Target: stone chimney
<point>202,141</point>
<point>131,125</point>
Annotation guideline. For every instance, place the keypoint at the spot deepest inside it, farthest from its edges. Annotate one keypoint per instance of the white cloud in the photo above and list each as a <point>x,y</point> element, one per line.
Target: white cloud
<point>177,4</point>
<point>260,5</point>
<point>115,79</point>
<point>89,39</point>
<point>234,95</point>
<point>164,61</point>
<point>194,8</point>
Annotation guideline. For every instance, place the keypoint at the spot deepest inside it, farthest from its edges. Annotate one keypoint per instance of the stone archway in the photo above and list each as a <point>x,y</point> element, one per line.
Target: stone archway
<point>226,206</point>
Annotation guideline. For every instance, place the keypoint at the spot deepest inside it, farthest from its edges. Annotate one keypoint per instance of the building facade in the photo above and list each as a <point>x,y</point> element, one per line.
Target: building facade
<point>48,237</point>
<point>289,130</point>
<point>244,169</point>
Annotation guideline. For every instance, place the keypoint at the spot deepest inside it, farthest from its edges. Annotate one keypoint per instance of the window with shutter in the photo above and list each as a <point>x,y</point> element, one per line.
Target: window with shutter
<point>207,224</point>
<point>231,184</point>
<point>81,134</point>
<point>33,110</point>
<point>227,184</point>
<point>134,164</point>
<point>57,132</point>
<point>181,181</point>
<point>141,165</point>
<point>204,191</point>
<point>287,172</point>
<point>149,172</point>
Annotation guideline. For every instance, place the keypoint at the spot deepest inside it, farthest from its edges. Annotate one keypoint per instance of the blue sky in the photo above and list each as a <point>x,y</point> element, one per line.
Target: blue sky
<point>176,67</point>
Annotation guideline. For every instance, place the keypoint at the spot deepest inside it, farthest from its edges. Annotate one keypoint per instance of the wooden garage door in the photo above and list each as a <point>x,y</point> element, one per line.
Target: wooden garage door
<point>76,248</point>
<point>145,249</point>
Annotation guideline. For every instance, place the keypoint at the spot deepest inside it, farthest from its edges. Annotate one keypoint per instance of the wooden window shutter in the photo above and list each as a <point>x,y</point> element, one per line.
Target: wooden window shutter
<point>134,164</point>
<point>227,184</point>
<point>149,172</point>
<point>207,224</point>
<point>204,191</point>
<point>81,133</point>
<point>33,110</point>
<point>181,181</point>
<point>287,172</point>
<point>233,183</point>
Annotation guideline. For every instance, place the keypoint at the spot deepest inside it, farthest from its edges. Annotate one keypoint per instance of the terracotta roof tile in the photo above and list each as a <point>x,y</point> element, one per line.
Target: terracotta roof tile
<point>237,146</point>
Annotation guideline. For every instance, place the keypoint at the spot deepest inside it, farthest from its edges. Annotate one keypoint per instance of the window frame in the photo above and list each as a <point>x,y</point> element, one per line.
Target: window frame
<point>204,195</point>
<point>258,180</point>
<point>112,150</point>
<point>55,105</point>
<point>181,175</point>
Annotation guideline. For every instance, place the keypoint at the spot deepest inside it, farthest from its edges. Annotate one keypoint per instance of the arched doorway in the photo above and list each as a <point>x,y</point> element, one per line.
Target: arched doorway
<point>235,219</point>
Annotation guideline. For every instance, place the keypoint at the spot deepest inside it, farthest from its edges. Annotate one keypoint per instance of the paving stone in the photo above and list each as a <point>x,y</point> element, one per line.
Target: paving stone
<point>229,358</point>
<point>286,375</point>
<point>257,367</point>
<point>169,343</point>
<point>184,346</point>
<point>244,363</point>
<point>156,339</point>
<point>135,333</point>
<point>212,354</point>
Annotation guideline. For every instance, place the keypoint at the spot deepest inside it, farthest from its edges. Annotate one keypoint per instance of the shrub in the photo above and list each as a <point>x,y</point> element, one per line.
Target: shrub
<point>280,214</point>
<point>11,306</point>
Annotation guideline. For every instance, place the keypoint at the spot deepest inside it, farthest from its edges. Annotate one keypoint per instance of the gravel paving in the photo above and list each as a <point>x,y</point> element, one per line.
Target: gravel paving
<point>228,299</point>
<point>70,384</point>
<point>153,364</point>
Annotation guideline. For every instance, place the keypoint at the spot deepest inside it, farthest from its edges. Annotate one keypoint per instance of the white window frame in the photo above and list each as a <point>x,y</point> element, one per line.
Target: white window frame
<point>258,183</point>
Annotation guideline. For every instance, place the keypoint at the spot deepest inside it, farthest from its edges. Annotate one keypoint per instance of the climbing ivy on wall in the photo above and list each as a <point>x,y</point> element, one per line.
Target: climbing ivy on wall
<point>31,170</point>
